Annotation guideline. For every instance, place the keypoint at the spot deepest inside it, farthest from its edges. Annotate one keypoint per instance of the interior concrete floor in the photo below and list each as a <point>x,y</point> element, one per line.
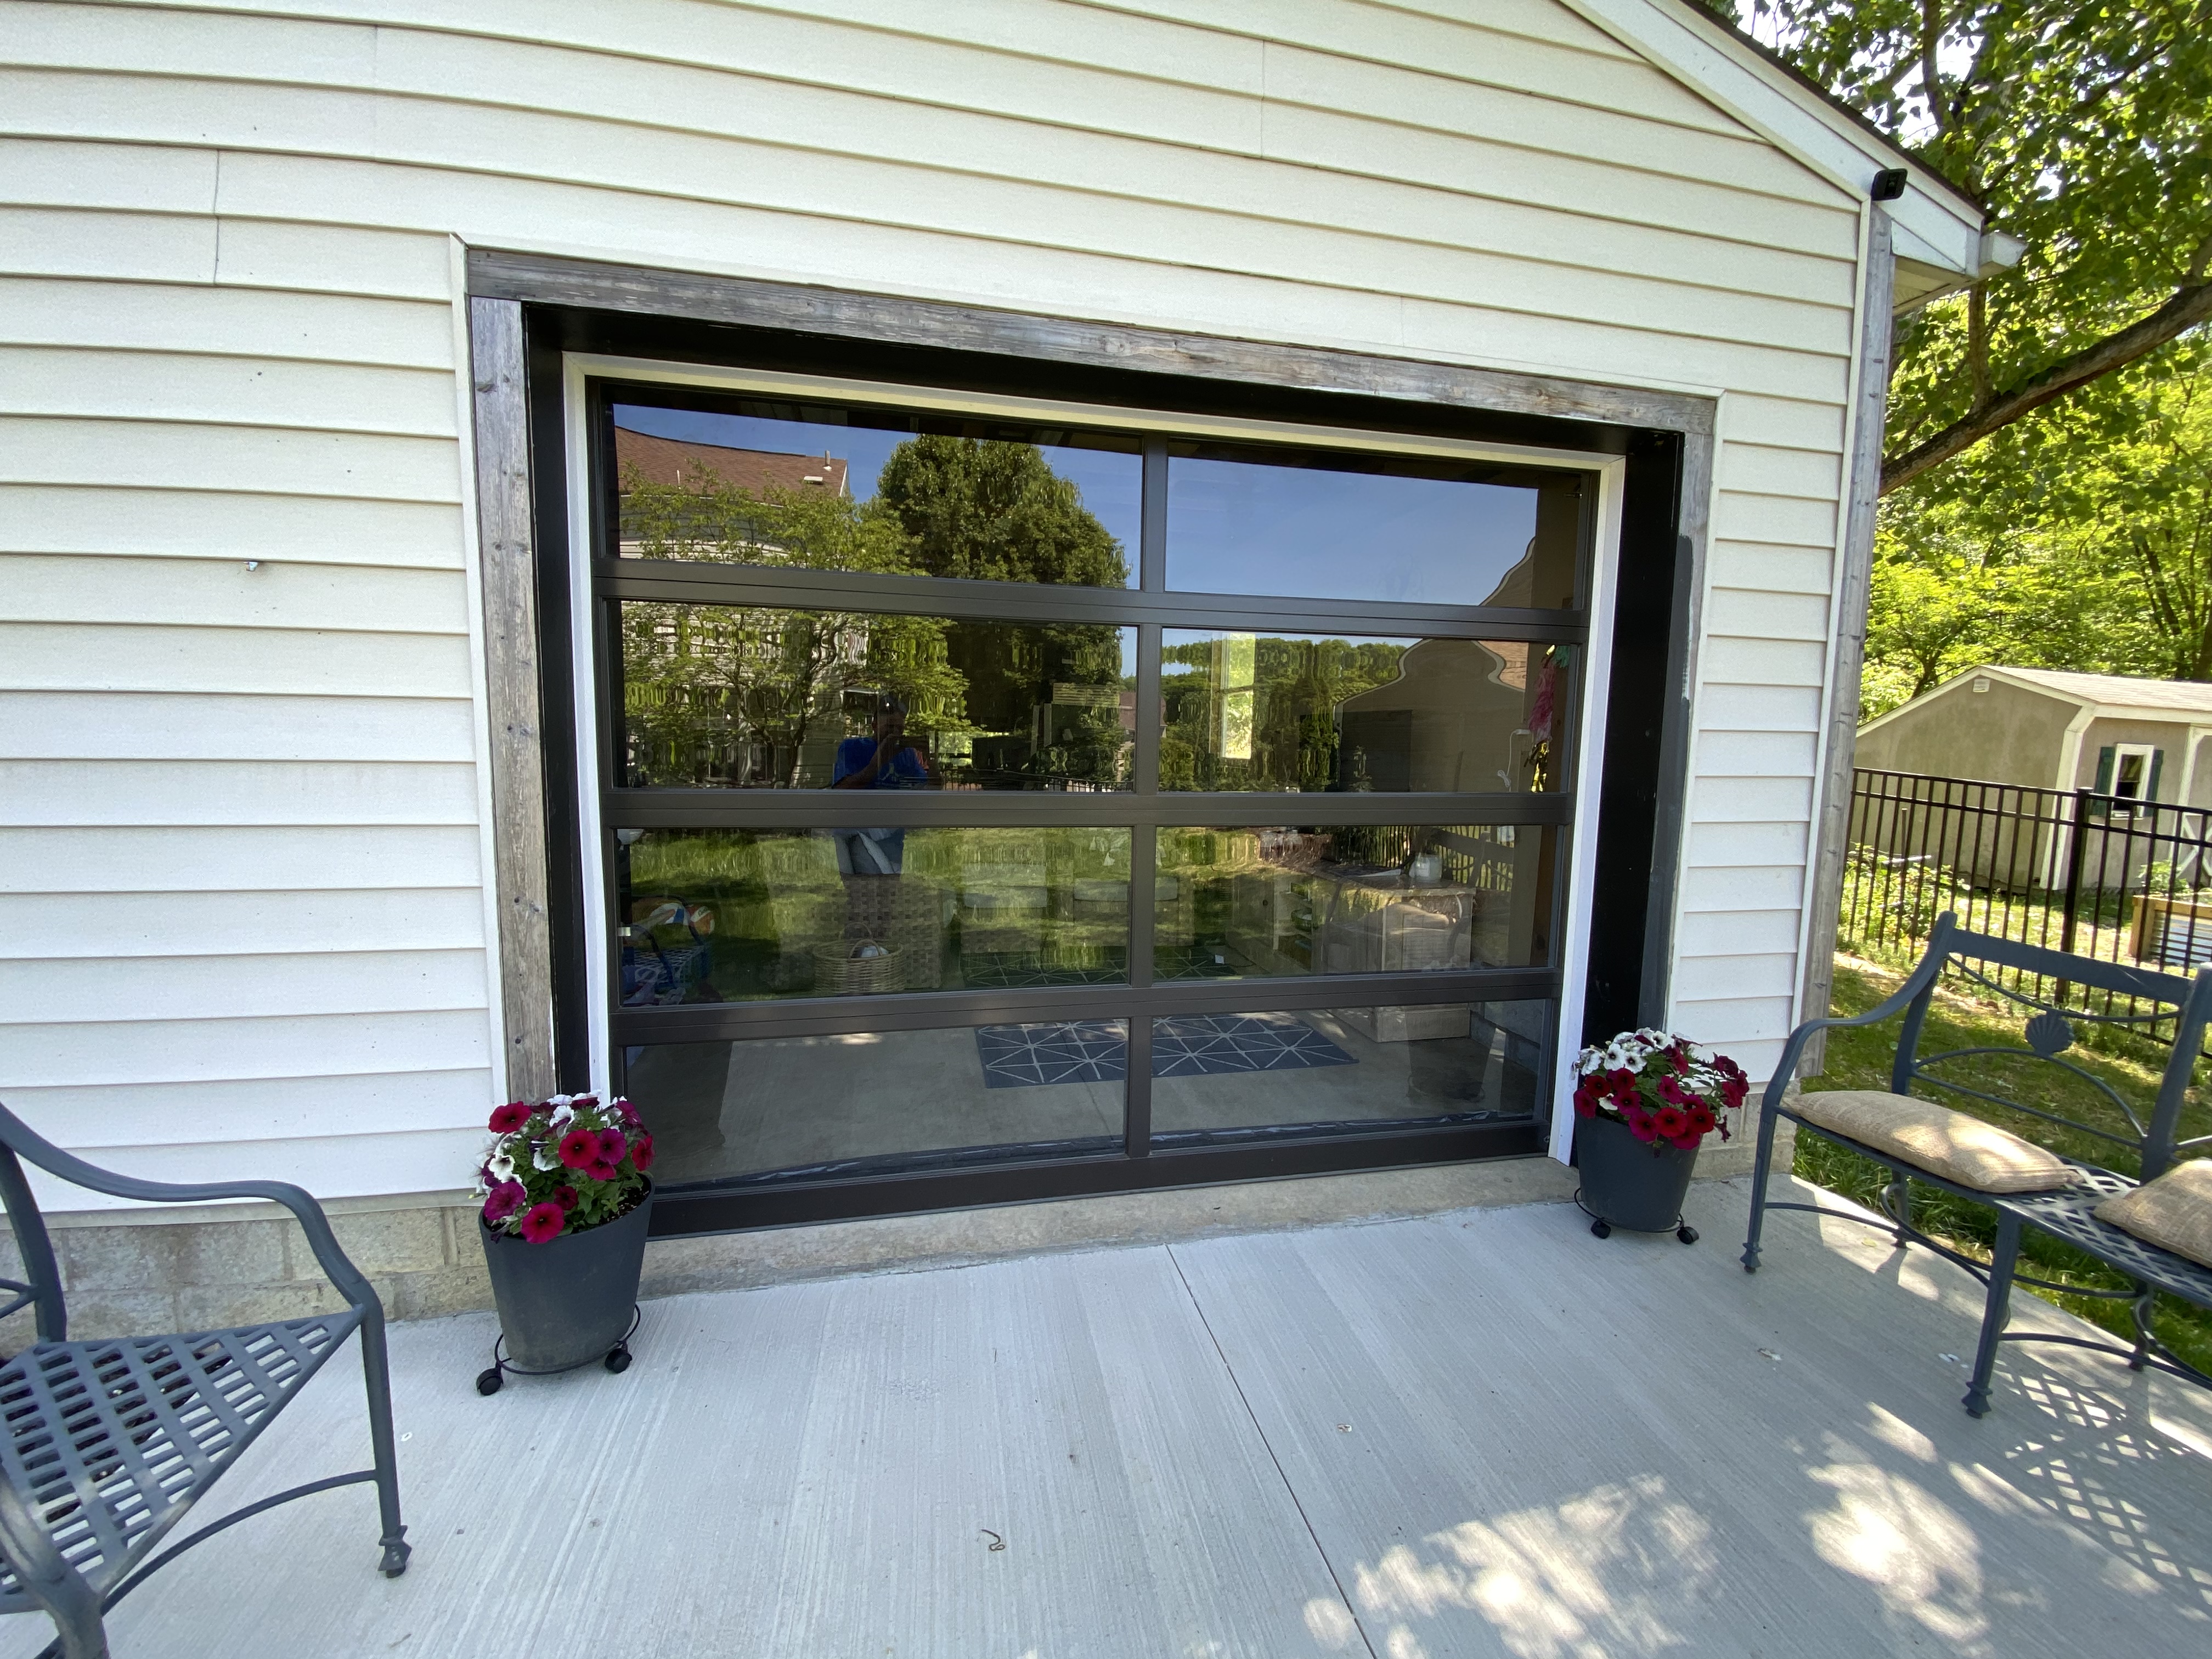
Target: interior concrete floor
<point>731,1109</point>
<point>1482,1433</point>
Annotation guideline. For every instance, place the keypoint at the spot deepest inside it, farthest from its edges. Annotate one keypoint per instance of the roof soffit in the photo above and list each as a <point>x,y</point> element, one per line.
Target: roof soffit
<point>1936,225</point>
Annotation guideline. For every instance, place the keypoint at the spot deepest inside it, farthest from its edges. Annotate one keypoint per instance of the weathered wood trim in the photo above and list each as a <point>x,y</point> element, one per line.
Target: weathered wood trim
<point>753,304</point>
<point>1854,580</point>
<point>510,614</point>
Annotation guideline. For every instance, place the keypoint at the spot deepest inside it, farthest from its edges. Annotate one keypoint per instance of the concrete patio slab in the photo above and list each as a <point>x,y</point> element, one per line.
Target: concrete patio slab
<point>1475,1433</point>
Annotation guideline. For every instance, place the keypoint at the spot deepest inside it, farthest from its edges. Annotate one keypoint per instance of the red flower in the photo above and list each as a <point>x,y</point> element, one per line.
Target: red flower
<point>1701,1118</point>
<point>579,1148</point>
<point>513,1115</point>
<point>613,1145</point>
<point>1674,1093</point>
<point>601,1171</point>
<point>1733,1089</point>
<point>1686,1142</point>
<point>1586,1100</point>
<point>503,1200</point>
<point>565,1197</point>
<point>1639,1121</point>
<point>542,1222</point>
<point>628,1112</point>
<point>1671,1121</point>
<point>641,1152</point>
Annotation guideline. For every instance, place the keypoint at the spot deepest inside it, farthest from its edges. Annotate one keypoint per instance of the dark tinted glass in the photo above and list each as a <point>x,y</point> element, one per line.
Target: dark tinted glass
<point>732,915</point>
<point>818,487</point>
<point>1325,526</point>
<point>1306,711</point>
<point>744,697</point>
<point>1365,899</point>
<point>1463,1062</point>
<point>835,1105</point>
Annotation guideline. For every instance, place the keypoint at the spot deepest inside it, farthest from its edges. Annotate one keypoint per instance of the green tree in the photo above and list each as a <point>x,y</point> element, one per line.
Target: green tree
<point>715,693</point>
<point>993,510</point>
<point>2083,126</point>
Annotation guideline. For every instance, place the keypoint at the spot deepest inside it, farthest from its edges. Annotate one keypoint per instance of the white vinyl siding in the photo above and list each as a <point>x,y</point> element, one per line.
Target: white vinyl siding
<point>226,338</point>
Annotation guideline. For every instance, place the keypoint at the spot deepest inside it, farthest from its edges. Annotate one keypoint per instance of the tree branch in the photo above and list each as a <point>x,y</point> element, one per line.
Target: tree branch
<point>2188,307</point>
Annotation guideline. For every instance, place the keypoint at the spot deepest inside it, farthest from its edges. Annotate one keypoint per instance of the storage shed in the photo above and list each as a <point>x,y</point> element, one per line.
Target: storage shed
<point>1462,417</point>
<point>2114,734</point>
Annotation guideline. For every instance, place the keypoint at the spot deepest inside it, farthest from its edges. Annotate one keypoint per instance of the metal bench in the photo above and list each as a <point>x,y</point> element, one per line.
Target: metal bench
<point>107,1444</point>
<point>2064,1213</point>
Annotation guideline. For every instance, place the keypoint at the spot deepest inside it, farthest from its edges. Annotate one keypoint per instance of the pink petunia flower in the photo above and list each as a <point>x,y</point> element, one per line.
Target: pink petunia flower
<point>1639,1121</point>
<point>509,1117</point>
<point>579,1148</point>
<point>1686,1142</point>
<point>1671,1121</point>
<point>614,1145</point>
<point>542,1222</point>
<point>565,1196</point>
<point>641,1152</point>
<point>601,1171</point>
<point>503,1200</point>
<point>1585,1102</point>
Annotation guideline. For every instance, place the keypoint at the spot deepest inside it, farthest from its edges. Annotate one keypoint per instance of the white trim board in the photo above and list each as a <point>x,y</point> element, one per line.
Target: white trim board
<point>1609,471</point>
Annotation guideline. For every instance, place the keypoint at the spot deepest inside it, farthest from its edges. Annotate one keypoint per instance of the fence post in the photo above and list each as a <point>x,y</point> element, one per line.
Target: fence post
<point>2074,844</point>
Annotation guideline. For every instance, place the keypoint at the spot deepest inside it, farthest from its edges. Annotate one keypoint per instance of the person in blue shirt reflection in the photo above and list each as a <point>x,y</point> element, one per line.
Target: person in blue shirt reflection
<point>886,761</point>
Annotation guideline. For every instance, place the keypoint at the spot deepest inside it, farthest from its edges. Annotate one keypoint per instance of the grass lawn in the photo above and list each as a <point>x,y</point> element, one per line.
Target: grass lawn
<point>1861,1058</point>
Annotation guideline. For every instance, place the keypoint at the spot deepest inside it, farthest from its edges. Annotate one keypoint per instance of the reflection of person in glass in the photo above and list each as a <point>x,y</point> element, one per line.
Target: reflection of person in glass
<point>885,761</point>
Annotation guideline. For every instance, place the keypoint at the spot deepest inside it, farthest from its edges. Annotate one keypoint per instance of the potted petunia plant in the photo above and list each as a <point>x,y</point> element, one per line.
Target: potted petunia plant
<point>1645,1103</point>
<point>566,1202</point>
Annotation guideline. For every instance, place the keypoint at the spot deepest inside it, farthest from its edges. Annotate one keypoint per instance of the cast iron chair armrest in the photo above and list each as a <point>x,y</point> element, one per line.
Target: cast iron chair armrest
<point>335,1266</point>
<point>1917,980</point>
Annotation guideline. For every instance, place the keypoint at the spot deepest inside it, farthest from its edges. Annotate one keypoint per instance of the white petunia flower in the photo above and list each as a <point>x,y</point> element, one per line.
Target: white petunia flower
<point>545,1157</point>
<point>501,1167</point>
<point>563,1113</point>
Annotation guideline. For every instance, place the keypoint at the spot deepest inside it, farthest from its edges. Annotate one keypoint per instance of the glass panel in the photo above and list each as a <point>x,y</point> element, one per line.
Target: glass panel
<point>1301,712</point>
<point>735,915</point>
<point>747,697</point>
<point>798,1103</point>
<point>1369,899</point>
<point>818,487</point>
<point>1464,1061</point>
<point>1335,526</point>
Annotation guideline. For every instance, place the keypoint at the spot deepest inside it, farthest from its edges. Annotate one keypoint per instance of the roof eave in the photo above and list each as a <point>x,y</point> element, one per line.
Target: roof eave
<point>1942,227</point>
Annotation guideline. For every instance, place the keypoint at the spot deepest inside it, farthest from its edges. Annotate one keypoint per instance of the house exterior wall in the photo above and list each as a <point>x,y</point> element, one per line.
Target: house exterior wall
<point>2007,734</point>
<point>243,917</point>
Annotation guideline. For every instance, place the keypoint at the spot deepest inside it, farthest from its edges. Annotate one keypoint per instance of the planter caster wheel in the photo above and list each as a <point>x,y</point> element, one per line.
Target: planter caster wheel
<point>488,1382</point>
<point>1686,1233</point>
<point>618,1358</point>
<point>1602,1229</point>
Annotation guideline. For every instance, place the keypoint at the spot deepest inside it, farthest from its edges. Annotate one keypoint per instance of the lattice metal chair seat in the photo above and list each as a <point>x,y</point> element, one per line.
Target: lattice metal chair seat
<point>2064,1213</point>
<point>107,1444</point>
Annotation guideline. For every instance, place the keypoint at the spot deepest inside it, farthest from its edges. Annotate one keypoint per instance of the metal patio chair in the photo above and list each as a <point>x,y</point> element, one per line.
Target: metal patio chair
<point>108,1443</point>
<point>2063,1213</point>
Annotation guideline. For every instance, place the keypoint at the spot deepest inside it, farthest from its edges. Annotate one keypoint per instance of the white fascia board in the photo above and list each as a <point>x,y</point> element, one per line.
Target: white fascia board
<point>1933,224</point>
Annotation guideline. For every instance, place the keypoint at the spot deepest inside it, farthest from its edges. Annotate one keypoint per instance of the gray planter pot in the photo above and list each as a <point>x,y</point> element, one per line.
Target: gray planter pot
<point>1632,1184</point>
<point>567,1302</point>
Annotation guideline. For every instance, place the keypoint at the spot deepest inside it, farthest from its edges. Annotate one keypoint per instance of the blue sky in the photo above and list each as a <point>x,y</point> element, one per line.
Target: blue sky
<point>1233,527</point>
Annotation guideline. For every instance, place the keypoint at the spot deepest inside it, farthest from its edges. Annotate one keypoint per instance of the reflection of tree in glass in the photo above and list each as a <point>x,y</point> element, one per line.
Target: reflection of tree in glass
<point>1297,686</point>
<point>726,693</point>
<point>732,694</point>
<point>991,510</point>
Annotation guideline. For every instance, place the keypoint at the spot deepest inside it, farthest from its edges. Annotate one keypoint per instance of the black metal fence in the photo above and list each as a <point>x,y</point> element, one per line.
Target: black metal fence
<point>2111,876</point>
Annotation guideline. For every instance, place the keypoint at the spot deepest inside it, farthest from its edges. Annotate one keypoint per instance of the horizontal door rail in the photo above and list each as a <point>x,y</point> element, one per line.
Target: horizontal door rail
<point>700,582</point>
<point>918,1010</point>
<point>984,809</point>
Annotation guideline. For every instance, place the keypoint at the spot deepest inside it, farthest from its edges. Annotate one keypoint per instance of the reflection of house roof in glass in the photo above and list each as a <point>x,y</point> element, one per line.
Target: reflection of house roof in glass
<point>690,465</point>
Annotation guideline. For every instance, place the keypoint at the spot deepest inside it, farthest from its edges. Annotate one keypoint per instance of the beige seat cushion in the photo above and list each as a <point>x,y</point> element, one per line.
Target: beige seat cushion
<point>2173,1211</point>
<point>1938,1140</point>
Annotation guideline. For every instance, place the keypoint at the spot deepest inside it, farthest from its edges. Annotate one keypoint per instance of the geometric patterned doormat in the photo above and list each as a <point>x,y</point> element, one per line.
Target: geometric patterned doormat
<point>1199,1045</point>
